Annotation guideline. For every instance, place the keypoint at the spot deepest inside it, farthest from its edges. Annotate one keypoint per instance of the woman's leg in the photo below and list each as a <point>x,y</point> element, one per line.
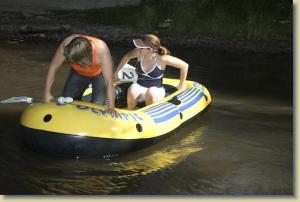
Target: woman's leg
<point>99,90</point>
<point>75,85</point>
<point>154,94</point>
<point>135,94</point>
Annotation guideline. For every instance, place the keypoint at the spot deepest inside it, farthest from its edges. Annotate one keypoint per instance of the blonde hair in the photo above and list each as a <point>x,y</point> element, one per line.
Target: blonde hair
<point>161,50</point>
<point>78,49</point>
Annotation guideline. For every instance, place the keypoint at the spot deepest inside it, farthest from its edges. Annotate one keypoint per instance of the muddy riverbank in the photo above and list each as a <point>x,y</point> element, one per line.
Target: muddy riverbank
<point>17,27</point>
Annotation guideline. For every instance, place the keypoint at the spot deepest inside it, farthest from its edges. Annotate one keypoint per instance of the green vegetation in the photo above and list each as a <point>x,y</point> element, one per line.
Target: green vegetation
<point>250,19</point>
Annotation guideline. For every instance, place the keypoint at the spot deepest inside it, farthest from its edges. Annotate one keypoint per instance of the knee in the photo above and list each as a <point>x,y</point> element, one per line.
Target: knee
<point>150,94</point>
<point>129,94</point>
<point>132,92</point>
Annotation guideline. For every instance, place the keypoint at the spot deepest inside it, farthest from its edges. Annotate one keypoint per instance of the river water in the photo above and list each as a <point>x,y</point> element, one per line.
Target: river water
<point>243,145</point>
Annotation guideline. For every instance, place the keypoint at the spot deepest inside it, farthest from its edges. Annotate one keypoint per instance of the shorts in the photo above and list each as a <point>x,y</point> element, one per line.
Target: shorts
<point>141,90</point>
<point>76,84</point>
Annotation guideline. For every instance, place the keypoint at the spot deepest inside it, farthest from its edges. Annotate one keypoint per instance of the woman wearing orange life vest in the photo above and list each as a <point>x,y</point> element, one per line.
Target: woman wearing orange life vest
<point>90,62</point>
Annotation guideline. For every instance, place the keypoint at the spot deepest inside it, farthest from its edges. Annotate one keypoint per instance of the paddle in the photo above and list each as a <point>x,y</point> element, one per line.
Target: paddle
<point>17,99</point>
<point>127,73</point>
<point>30,100</point>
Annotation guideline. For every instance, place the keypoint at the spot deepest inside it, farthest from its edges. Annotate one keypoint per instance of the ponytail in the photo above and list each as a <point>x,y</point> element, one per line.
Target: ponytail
<point>155,42</point>
<point>163,51</point>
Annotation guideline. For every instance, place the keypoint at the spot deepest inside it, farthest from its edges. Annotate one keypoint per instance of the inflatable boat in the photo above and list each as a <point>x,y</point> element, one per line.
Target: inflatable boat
<point>83,129</point>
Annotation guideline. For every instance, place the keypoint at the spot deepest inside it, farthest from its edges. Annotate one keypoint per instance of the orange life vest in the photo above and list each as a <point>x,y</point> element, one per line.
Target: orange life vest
<point>93,69</point>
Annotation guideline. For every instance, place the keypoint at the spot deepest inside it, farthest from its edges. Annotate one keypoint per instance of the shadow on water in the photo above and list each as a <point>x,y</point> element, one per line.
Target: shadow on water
<point>261,76</point>
<point>243,145</point>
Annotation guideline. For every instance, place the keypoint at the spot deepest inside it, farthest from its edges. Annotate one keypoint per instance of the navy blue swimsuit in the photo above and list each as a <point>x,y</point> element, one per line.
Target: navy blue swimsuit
<point>150,79</point>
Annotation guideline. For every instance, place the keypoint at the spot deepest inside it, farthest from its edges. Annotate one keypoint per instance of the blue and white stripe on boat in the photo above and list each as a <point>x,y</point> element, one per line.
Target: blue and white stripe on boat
<point>166,116</point>
<point>191,95</point>
<point>157,106</point>
<point>182,107</point>
<point>157,109</point>
<point>192,102</point>
<point>187,94</point>
<point>166,111</point>
<point>135,117</point>
<point>162,111</point>
<point>197,85</point>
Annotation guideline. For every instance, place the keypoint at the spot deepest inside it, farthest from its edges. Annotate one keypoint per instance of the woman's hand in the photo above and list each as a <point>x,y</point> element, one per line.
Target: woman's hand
<point>48,98</point>
<point>111,111</point>
<point>180,86</point>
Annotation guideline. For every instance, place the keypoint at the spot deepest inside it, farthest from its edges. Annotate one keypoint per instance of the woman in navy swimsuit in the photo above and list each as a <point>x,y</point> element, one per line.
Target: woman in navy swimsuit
<point>152,61</point>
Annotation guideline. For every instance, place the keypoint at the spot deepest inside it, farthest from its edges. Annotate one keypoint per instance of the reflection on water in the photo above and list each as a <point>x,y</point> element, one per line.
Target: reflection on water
<point>242,145</point>
<point>92,176</point>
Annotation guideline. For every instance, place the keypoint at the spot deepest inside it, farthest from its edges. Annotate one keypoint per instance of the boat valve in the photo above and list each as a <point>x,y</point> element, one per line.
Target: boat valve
<point>175,101</point>
<point>47,117</point>
<point>139,127</point>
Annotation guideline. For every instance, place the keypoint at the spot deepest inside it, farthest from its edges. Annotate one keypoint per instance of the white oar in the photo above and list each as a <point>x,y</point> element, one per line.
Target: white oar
<point>29,100</point>
<point>17,99</point>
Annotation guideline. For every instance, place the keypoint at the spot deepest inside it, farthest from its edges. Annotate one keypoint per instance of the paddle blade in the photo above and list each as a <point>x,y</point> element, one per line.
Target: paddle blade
<point>17,99</point>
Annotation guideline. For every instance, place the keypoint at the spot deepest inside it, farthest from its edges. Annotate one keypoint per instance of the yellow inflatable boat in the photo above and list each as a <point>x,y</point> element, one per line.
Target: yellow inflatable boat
<point>83,129</point>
